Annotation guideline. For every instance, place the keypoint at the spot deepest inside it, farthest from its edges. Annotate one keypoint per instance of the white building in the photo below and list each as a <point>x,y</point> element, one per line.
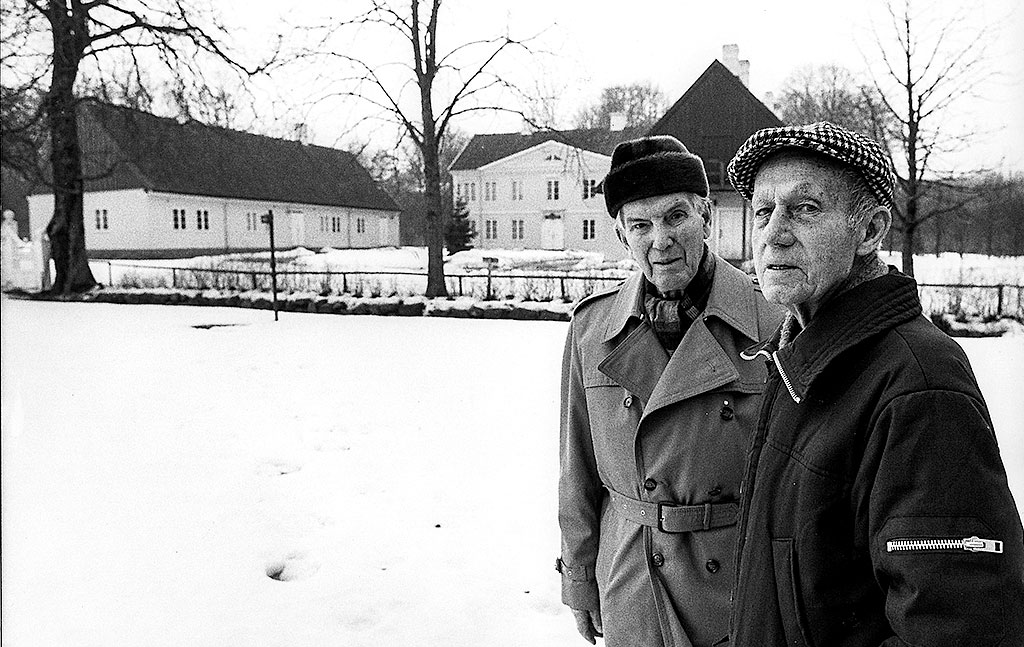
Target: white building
<point>538,190</point>
<point>159,188</point>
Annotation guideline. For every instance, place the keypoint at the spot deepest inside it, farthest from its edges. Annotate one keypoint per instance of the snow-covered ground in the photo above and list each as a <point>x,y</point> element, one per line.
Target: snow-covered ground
<point>396,475</point>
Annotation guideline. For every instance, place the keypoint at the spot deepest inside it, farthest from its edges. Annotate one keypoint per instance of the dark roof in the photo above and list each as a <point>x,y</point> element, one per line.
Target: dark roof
<point>124,148</point>
<point>715,115</point>
<point>14,190</point>
<point>484,149</point>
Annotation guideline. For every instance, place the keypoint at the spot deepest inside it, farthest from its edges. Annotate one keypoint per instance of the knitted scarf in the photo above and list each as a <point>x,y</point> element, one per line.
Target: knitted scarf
<point>671,313</point>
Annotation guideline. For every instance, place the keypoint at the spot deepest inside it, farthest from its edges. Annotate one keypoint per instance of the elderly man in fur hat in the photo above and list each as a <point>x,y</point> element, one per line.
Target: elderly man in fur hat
<point>657,410</point>
<point>875,508</point>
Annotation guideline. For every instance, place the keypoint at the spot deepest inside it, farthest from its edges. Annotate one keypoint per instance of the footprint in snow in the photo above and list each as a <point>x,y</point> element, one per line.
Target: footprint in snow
<point>277,468</point>
<point>296,565</point>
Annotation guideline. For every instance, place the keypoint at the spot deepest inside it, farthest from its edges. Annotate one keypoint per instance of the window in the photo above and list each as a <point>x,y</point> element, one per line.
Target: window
<point>517,190</point>
<point>360,225</point>
<point>588,228</point>
<point>490,191</point>
<point>335,224</point>
<point>179,219</point>
<point>490,229</point>
<point>101,219</point>
<point>472,191</point>
<point>202,219</point>
<point>517,229</point>
<point>716,172</point>
<point>589,189</point>
<point>552,189</point>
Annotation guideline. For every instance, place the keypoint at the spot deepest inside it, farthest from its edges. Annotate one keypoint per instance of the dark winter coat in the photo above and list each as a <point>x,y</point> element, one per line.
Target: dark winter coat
<point>655,429</point>
<point>874,446</point>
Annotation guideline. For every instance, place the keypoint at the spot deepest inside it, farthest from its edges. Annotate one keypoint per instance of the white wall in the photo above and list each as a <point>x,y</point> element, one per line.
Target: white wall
<point>532,169</point>
<point>140,220</point>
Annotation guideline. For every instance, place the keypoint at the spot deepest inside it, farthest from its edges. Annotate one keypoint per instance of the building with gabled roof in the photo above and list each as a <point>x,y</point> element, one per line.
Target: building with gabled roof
<point>157,187</point>
<point>713,118</point>
<point>539,190</point>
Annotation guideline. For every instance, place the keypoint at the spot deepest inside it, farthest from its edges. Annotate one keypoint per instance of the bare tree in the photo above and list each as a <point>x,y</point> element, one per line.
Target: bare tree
<point>832,93</point>
<point>928,68</point>
<point>67,34</point>
<point>446,83</point>
<point>641,103</point>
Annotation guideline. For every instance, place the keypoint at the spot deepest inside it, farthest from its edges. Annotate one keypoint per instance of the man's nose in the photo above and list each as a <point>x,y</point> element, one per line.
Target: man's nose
<point>664,237</point>
<point>778,232</point>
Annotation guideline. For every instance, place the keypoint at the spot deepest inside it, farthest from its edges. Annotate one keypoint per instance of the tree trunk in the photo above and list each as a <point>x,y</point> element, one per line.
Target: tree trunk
<point>66,229</point>
<point>907,250</point>
<point>435,227</point>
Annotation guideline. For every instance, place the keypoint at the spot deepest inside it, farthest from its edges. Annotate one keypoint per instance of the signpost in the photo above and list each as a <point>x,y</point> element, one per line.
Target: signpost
<point>268,219</point>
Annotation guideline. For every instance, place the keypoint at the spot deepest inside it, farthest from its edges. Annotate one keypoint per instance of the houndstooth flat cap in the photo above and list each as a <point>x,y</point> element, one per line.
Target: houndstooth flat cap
<point>845,146</point>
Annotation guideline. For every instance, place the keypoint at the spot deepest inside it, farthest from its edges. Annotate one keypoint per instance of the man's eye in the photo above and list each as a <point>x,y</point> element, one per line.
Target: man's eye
<point>676,216</point>
<point>806,207</point>
<point>638,226</point>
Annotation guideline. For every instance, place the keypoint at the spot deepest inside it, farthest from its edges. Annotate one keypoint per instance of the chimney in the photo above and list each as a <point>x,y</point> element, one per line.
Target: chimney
<point>616,121</point>
<point>745,72</point>
<point>730,57</point>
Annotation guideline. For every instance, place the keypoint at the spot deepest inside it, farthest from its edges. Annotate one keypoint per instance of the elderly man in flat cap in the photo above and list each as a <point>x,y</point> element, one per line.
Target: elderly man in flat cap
<point>657,411</point>
<point>875,508</point>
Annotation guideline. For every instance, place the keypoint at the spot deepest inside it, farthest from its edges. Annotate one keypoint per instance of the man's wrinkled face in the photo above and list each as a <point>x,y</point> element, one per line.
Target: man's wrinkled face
<point>804,246</point>
<point>665,234</point>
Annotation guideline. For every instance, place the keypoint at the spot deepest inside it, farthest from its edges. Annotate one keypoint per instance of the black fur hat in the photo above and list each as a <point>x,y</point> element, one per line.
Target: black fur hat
<point>650,166</point>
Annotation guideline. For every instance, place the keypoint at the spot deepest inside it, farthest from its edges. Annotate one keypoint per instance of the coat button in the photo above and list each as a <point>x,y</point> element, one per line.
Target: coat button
<point>658,559</point>
<point>712,565</point>
<point>650,485</point>
<point>628,402</point>
<point>726,413</point>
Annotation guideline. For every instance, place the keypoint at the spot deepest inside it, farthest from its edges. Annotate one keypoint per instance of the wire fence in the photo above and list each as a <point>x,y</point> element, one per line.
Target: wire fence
<point>996,300</point>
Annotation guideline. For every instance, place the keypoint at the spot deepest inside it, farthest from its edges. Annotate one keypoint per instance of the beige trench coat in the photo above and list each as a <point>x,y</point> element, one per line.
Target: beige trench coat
<point>655,429</point>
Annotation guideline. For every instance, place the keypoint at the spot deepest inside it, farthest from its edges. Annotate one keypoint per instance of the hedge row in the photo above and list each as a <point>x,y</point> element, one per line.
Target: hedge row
<point>328,305</point>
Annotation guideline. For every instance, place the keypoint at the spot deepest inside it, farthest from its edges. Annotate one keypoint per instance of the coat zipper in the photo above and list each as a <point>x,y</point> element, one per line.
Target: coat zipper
<point>973,544</point>
<point>785,378</point>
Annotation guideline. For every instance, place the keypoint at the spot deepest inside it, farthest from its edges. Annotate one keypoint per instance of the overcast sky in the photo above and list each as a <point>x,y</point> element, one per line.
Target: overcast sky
<point>591,45</point>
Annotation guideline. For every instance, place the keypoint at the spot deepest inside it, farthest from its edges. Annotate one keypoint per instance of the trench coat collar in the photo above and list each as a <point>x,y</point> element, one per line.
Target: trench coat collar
<point>701,362</point>
<point>850,318</point>
<point>730,301</point>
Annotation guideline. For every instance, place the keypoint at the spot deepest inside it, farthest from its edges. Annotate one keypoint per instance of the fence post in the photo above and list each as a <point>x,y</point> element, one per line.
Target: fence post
<point>110,276</point>
<point>561,281</point>
<point>344,283</point>
<point>487,297</point>
<point>999,301</point>
<point>254,285</point>
<point>460,285</point>
<point>174,277</point>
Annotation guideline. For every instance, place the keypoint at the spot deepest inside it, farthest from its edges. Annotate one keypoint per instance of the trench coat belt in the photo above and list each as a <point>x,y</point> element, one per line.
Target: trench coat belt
<point>669,517</point>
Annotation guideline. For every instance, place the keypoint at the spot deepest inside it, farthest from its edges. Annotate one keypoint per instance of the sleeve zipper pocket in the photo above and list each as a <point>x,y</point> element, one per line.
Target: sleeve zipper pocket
<point>972,544</point>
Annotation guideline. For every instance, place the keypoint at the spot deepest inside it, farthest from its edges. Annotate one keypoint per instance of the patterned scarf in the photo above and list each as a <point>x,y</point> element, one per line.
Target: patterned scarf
<point>670,314</point>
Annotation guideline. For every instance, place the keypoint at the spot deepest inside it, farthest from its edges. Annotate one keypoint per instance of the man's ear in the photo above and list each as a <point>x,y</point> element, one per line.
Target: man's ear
<point>873,230</point>
<point>622,237</point>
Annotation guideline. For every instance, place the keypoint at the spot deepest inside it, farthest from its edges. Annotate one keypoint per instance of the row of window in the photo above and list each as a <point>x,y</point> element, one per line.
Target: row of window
<point>466,191</point>
<point>519,229</point>
<point>181,219</point>
<point>253,221</point>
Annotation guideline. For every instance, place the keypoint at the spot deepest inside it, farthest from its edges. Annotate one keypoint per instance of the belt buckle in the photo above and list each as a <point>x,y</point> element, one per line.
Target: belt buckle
<point>661,515</point>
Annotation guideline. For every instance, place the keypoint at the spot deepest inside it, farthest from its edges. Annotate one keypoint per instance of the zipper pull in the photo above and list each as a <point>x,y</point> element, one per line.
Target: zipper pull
<point>978,545</point>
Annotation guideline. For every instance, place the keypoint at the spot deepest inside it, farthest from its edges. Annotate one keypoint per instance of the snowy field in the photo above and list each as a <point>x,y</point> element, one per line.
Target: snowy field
<point>396,476</point>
